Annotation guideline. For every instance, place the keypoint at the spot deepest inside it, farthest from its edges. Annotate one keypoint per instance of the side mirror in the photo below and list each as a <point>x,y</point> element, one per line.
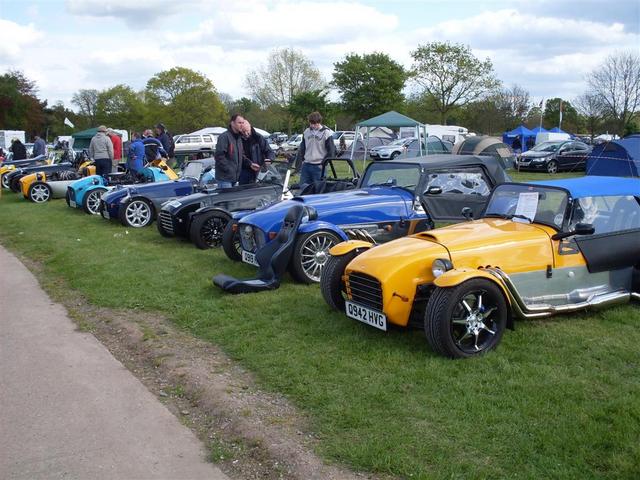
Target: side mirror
<point>467,213</point>
<point>579,229</point>
<point>433,190</point>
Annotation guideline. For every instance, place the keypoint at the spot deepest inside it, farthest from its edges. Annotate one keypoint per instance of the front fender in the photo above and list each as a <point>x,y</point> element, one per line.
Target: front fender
<point>202,210</point>
<point>349,246</point>
<point>455,277</point>
<point>315,225</point>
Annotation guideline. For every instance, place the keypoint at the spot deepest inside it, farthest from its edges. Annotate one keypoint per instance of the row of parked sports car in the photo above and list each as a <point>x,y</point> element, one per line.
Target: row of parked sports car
<point>522,250</point>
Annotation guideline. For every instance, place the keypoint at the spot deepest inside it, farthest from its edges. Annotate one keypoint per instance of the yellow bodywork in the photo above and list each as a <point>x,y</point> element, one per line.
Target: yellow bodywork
<point>25,182</point>
<point>345,247</point>
<point>404,264</point>
<point>162,165</point>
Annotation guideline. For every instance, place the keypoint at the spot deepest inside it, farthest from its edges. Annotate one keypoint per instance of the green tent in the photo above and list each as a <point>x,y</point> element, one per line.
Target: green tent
<point>389,119</point>
<point>83,139</point>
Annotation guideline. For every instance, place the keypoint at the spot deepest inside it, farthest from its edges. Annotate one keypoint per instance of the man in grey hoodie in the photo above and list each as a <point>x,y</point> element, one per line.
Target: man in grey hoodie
<point>101,151</point>
<point>317,145</point>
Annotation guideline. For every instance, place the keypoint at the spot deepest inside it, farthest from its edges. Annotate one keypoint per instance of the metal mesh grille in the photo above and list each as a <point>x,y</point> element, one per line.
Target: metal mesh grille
<point>365,290</point>
<point>166,220</point>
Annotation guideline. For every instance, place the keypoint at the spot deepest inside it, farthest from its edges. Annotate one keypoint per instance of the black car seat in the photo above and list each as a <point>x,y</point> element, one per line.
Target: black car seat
<point>272,259</point>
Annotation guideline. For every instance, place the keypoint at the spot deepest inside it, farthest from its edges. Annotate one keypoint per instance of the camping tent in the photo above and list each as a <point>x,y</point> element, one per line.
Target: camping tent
<point>619,158</point>
<point>483,145</point>
<point>523,132</point>
<point>83,138</point>
<point>389,119</point>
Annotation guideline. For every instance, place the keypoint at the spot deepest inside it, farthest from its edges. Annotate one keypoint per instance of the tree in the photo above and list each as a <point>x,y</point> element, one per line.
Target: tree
<point>20,108</point>
<point>551,116</point>
<point>370,84</point>
<point>514,103</point>
<point>286,73</point>
<point>120,107</point>
<point>54,120</point>
<point>617,84</point>
<point>184,100</point>
<point>304,103</point>
<point>590,109</point>
<point>452,75</point>
<point>86,100</point>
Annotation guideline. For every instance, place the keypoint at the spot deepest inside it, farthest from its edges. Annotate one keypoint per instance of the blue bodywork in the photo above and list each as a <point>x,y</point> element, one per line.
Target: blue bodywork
<point>79,189</point>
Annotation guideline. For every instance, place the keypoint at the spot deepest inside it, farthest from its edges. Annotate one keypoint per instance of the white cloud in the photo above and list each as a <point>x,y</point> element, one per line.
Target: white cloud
<point>141,14</point>
<point>15,38</point>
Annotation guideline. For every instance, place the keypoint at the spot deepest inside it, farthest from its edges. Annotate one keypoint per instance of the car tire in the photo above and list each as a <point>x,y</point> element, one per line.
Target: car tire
<point>393,155</point>
<point>451,322</point>
<point>14,185</point>
<point>231,242</point>
<point>39,192</point>
<point>91,201</point>
<point>67,198</point>
<point>5,181</point>
<point>136,213</point>
<point>552,167</point>
<point>331,284</point>
<point>310,254</point>
<point>207,229</point>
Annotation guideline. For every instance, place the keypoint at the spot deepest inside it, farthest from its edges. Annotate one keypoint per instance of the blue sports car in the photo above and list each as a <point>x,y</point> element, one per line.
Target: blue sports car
<point>137,205</point>
<point>390,202</point>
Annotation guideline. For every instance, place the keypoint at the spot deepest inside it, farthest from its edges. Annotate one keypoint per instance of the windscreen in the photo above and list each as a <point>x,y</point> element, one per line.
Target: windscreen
<point>391,174</point>
<point>528,203</point>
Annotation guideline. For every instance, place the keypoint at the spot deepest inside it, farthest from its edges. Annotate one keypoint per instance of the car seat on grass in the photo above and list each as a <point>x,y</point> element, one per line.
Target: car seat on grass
<point>272,259</point>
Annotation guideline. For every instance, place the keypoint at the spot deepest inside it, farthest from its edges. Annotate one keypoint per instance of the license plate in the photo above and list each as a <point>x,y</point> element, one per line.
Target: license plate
<point>105,214</point>
<point>250,258</point>
<point>366,315</point>
<point>73,204</point>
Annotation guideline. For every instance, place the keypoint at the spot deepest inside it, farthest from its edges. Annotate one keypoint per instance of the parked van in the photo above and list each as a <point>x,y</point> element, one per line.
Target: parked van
<point>551,137</point>
<point>448,133</point>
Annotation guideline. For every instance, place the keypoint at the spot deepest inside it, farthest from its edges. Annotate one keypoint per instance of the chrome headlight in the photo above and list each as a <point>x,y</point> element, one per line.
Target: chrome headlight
<point>440,266</point>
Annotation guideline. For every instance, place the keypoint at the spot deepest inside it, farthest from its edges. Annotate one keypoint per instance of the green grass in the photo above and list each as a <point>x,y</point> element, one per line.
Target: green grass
<point>560,398</point>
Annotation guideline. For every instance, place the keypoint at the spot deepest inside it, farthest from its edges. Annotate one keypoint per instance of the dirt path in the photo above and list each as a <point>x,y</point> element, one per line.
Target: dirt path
<point>250,434</point>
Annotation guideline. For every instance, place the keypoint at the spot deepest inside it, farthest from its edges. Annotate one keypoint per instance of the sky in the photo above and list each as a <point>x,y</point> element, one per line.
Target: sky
<point>545,46</point>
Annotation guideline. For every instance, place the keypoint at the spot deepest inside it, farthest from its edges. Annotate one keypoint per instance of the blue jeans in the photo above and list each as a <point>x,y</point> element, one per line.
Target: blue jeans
<point>224,184</point>
<point>310,173</point>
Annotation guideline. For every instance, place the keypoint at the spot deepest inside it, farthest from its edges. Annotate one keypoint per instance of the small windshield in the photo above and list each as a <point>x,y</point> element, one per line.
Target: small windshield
<point>528,203</point>
<point>387,174</point>
<point>336,135</point>
<point>400,141</point>
<point>193,170</point>
<point>547,147</point>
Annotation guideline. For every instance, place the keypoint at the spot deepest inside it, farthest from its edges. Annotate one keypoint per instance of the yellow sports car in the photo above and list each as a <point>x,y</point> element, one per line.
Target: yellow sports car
<point>40,187</point>
<point>538,249</point>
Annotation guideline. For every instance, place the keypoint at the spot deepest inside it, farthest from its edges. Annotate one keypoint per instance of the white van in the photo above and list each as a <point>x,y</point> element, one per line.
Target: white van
<point>542,137</point>
<point>449,133</point>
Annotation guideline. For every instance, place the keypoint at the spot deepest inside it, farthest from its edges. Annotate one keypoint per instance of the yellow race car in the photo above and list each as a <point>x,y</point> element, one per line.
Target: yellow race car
<point>538,249</point>
<point>41,186</point>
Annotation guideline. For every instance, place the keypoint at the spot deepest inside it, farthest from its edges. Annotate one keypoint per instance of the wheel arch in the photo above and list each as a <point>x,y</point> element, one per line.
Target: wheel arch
<point>344,248</point>
<point>316,226</point>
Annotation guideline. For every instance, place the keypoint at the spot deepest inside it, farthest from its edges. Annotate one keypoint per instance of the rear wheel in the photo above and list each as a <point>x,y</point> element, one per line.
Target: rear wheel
<point>231,242</point>
<point>311,254</point>
<point>91,201</point>
<point>552,166</point>
<point>207,229</point>
<point>466,320</point>
<point>331,284</point>
<point>5,181</point>
<point>136,213</point>
<point>14,185</point>
<point>39,192</point>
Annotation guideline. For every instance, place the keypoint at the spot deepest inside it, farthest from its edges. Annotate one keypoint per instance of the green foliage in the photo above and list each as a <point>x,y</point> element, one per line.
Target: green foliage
<point>452,75</point>
<point>304,103</point>
<point>370,84</point>
<point>184,100</point>
<point>120,107</point>
<point>20,108</point>
<point>551,115</point>
<point>557,399</point>
<point>54,120</point>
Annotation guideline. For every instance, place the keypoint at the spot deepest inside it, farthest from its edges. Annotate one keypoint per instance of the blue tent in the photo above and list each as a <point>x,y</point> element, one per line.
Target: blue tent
<point>523,132</point>
<point>620,158</point>
<point>537,130</point>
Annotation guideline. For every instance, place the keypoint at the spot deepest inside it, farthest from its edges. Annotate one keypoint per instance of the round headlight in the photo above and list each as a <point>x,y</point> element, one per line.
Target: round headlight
<point>248,229</point>
<point>440,266</point>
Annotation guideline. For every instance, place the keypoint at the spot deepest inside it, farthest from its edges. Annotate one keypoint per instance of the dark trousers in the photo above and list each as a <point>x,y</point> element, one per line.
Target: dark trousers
<point>103,166</point>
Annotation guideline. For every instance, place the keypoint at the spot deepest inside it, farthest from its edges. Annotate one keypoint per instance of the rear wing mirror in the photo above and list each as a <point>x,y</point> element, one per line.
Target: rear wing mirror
<point>433,190</point>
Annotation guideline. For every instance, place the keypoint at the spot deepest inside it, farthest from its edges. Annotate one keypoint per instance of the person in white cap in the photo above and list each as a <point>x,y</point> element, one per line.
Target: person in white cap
<point>101,151</point>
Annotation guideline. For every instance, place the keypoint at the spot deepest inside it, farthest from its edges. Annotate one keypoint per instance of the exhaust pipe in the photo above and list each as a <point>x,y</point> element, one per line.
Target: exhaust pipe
<point>530,312</point>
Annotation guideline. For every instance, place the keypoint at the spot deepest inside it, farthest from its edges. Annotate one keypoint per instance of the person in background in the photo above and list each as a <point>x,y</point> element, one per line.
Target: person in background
<point>117,148</point>
<point>18,149</point>
<point>101,151</point>
<point>229,152</point>
<point>517,144</point>
<point>165,139</point>
<point>39,147</point>
<point>152,146</point>
<point>531,142</point>
<point>136,158</point>
<point>317,145</point>
<point>256,153</point>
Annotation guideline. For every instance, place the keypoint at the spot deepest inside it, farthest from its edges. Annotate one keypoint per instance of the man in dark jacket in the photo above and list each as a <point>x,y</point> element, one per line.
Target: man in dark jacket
<point>229,153</point>
<point>165,139</point>
<point>39,146</point>
<point>256,153</point>
<point>18,149</point>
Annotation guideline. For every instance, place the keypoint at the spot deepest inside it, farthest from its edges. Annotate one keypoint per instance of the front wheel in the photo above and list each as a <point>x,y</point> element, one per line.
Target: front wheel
<point>14,185</point>
<point>207,229</point>
<point>331,284</point>
<point>91,201</point>
<point>310,255</point>
<point>466,320</point>
<point>5,181</point>
<point>231,242</point>
<point>136,213</point>
<point>39,192</point>
<point>552,167</point>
